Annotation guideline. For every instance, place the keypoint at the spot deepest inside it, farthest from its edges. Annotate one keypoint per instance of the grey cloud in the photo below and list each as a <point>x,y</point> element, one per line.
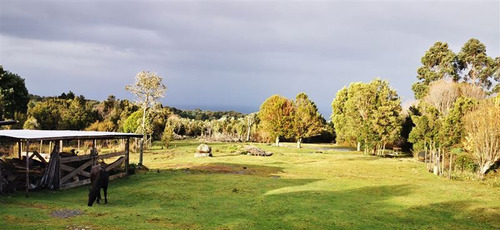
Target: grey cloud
<point>228,54</point>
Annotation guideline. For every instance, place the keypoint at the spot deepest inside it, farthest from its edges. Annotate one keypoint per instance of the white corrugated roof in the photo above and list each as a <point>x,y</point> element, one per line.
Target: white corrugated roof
<point>24,134</point>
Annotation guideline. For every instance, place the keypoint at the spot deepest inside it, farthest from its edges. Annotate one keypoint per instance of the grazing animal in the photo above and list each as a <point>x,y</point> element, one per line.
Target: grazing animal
<point>99,178</point>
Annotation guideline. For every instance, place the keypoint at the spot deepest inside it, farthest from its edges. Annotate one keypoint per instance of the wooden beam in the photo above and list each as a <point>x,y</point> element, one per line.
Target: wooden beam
<point>76,171</point>
<point>71,169</point>
<point>75,158</point>
<point>109,155</point>
<point>87,181</point>
<point>35,153</point>
<point>115,164</point>
<point>74,184</point>
<point>118,175</point>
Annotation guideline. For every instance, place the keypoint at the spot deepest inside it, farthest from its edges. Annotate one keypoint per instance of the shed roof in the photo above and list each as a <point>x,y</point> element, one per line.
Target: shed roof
<point>38,135</point>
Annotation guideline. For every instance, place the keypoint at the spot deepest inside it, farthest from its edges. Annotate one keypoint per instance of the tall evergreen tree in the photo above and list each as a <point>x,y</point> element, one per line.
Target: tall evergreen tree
<point>475,65</point>
<point>367,114</point>
<point>308,121</point>
<point>452,132</point>
<point>387,120</point>
<point>438,62</point>
<point>276,117</point>
<point>339,117</point>
<point>14,96</point>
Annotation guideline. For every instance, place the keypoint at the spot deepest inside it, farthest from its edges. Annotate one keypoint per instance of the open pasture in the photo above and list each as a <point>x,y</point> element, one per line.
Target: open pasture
<point>293,189</point>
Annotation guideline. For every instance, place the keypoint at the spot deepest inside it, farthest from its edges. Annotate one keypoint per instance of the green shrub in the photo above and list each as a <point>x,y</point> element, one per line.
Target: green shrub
<point>465,162</point>
<point>131,168</point>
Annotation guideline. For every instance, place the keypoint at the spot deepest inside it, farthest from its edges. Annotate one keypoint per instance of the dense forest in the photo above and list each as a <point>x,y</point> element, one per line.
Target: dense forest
<point>453,125</point>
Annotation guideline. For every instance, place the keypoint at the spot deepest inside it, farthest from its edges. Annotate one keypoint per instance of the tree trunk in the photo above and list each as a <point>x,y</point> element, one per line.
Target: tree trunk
<point>278,141</point>
<point>425,156</point>
<point>487,165</point>
<point>451,162</point>
<point>359,146</point>
<point>366,150</point>
<point>144,121</point>
<point>299,142</point>
<point>442,162</point>
<point>248,133</point>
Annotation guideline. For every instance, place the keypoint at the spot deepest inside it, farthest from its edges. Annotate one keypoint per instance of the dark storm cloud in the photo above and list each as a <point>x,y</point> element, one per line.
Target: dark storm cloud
<point>232,54</point>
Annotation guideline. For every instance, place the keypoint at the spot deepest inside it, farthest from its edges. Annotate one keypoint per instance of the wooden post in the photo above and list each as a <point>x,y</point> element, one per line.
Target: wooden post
<point>141,151</point>
<point>78,149</point>
<point>27,168</point>
<point>19,149</point>
<point>61,146</point>
<point>126,154</point>
<point>41,144</point>
<point>1,180</point>
<point>93,152</point>
<point>59,172</point>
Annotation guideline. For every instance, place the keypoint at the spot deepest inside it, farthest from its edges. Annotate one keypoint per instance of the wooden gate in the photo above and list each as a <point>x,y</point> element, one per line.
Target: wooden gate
<point>75,176</point>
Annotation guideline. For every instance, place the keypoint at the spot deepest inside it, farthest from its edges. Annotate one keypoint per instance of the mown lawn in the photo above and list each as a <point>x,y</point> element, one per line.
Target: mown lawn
<point>293,189</point>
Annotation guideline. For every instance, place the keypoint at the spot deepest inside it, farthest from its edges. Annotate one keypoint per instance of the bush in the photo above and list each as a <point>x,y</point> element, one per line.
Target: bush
<point>465,162</point>
<point>131,168</point>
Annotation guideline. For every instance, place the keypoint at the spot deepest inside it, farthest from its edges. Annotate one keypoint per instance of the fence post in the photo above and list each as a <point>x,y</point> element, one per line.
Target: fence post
<point>27,168</point>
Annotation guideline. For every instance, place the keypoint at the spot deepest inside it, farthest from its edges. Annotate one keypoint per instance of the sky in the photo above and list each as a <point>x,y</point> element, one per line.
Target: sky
<point>232,55</point>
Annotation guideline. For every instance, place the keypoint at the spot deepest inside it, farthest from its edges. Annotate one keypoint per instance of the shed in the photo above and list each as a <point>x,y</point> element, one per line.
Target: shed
<point>61,171</point>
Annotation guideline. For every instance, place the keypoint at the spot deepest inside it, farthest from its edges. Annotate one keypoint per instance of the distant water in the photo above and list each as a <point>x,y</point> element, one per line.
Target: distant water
<point>237,108</point>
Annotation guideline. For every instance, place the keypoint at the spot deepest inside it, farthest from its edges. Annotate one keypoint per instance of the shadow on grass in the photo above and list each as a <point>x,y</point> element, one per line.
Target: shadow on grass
<point>373,207</point>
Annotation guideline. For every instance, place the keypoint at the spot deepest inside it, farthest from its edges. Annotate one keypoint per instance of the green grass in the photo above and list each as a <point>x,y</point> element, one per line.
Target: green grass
<point>293,189</point>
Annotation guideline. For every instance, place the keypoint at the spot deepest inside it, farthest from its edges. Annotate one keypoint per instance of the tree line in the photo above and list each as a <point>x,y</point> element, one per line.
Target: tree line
<point>453,124</point>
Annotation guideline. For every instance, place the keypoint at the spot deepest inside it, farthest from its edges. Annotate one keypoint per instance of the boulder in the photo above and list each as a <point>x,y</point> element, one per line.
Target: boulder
<point>254,151</point>
<point>203,150</point>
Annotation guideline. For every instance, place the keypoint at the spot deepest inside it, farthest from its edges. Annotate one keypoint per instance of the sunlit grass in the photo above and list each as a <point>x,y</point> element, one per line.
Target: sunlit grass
<point>293,189</point>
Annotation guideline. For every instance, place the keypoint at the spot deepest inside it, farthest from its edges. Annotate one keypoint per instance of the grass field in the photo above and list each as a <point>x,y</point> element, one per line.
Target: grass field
<point>293,189</point>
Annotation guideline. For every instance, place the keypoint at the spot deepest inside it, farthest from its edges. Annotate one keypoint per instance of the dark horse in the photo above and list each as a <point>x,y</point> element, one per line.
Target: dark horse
<point>99,178</point>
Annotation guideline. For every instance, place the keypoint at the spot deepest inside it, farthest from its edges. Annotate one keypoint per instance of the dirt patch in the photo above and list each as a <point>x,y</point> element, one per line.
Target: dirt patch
<point>216,168</point>
<point>66,213</point>
<point>235,169</point>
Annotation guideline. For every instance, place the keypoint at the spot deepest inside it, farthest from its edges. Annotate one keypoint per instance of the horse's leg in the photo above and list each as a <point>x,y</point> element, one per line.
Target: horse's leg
<point>105,189</point>
<point>98,195</point>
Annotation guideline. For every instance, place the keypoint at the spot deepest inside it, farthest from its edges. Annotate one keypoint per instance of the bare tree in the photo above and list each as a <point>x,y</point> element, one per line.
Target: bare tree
<point>483,134</point>
<point>442,94</point>
<point>471,91</point>
<point>147,88</point>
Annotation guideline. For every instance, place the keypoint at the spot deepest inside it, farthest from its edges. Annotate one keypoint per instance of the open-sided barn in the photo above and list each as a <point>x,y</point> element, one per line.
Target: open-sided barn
<point>59,170</point>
